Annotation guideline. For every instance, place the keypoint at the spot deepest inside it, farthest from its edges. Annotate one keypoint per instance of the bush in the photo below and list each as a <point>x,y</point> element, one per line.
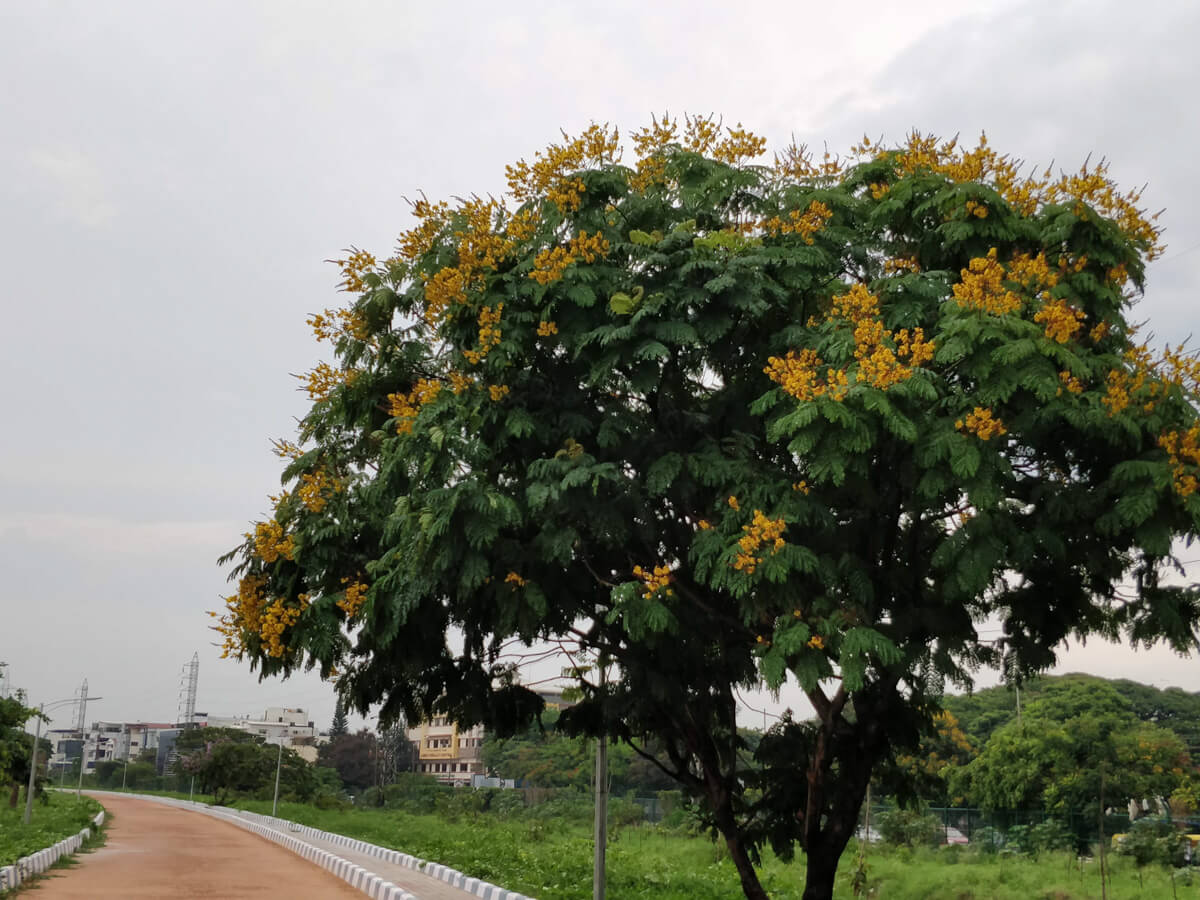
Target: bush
<point>909,828</point>
<point>1154,841</point>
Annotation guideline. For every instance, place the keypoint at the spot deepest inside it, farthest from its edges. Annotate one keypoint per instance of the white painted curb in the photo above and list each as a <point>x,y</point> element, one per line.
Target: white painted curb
<point>36,863</point>
<point>369,883</point>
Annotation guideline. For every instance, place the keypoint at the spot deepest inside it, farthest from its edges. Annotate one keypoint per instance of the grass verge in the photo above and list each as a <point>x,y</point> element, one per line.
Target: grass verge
<point>61,816</point>
<point>551,859</point>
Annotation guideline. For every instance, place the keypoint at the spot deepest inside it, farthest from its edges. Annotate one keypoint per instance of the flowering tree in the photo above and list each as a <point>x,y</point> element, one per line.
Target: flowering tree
<point>724,423</point>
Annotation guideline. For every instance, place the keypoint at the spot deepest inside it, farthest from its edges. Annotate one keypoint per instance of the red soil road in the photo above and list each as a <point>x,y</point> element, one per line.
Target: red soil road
<point>159,851</point>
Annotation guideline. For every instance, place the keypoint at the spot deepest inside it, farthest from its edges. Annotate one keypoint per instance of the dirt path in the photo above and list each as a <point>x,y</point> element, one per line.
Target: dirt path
<point>158,851</point>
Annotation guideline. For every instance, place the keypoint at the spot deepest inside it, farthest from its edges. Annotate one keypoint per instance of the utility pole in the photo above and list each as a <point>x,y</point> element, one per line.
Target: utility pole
<point>601,829</point>
<point>82,757</point>
<point>278,768</point>
<point>37,733</point>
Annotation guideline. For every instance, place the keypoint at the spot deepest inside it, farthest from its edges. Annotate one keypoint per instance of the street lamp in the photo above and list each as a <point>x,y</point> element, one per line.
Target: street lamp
<point>278,768</point>
<point>37,733</point>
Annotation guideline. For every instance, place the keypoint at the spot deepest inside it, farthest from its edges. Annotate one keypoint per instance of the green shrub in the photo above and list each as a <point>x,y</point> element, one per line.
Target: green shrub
<point>910,828</point>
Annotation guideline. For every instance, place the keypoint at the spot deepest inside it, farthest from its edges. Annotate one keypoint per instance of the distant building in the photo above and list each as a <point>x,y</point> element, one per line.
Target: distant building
<point>454,756</point>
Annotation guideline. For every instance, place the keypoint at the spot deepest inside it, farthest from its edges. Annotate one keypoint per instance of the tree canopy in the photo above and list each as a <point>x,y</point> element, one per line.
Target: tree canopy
<point>718,421</point>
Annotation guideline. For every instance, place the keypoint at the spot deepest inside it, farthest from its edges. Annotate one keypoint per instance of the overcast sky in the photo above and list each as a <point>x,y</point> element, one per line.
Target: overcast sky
<point>175,174</point>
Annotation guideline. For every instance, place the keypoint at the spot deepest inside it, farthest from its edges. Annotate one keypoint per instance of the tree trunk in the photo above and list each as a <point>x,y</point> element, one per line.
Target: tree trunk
<point>819,876</point>
<point>751,886</point>
<point>14,795</point>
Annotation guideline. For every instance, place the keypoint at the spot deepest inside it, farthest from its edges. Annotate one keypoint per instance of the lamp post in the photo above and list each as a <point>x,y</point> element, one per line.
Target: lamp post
<point>82,760</point>
<point>37,733</point>
<point>278,768</point>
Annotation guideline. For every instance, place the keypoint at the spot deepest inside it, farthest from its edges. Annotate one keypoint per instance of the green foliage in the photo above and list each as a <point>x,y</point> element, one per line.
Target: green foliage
<point>879,402</point>
<point>60,816</point>
<point>16,746</point>
<point>1078,739</point>
<point>1153,841</point>
<point>231,768</point>
<point>909,827</point>
<point>355,757</point>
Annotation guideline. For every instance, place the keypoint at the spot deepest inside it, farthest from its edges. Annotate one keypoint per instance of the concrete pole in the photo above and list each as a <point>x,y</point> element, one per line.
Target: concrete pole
<point>82,760</point>
<point>37,733</point>
<point>600,841</point>
<point>278,767</point>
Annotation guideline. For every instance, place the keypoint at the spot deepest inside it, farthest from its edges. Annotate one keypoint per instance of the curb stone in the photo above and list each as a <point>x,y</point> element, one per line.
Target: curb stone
<point>374,886</point>
<point>37,863</point>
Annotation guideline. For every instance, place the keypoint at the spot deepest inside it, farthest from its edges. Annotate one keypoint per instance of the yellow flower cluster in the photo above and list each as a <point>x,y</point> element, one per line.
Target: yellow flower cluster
<point>324,378</point>
<point>982,287</point>
<point>976,209</point>
<point>816,642</point>
<point>1147,380</point>
<point>885,358</point>
<point>796,161</point>
<point>1184,451</point>
<point>901,264</point>
<point>552,172</point>
<point>704,525</point>
<point>1062,321</point>
<point>802,487</point>
<point>479,245</point>
<point>354,267</point>
<point>315,488</point>
<point>738,146</point>
<point>405,407</point>
<point>733,503</point>
<point>522,225</point>
<point>1069,383</point>
<point>879,191</point>
<point>650,143</point>
<point>515,580</point>
<point>759,532</point>
<point>276,620</point>
<point>337,323</point>
<point>1123,385</point>
<point>982,424</point>
<point>242,616</point>
<point>489,333</point>
<point>798,374</point>
<point>448,286</point>
<point>460,383</point>
<point>285,449</point>
<point>805,224</point>
<point>433,218</point>
<point>1090,186</point>
<point>498,392</point>
<point>654,580</point>
<point>549,265</point>
<point>545,329</point>
<point>354,595</point>
<point>270,542</point>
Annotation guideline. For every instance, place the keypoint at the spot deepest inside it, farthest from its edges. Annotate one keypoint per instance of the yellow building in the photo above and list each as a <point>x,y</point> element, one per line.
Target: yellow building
<point>451,755</point>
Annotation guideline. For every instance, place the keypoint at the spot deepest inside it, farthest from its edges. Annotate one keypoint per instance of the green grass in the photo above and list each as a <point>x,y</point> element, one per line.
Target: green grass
<point>62,816</point>
<point>552,860</point>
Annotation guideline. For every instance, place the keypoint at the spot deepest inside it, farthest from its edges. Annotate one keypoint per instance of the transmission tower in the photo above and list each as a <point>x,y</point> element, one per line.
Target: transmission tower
<point>81,708</point>
<point>189,678</point>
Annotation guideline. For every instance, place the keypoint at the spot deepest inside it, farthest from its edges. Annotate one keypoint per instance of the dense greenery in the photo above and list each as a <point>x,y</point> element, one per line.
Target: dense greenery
<point>712,422</point>
<point>551,859</point>
<point>982,712</point>
<point>229,762</point>
<point>16,748</point>
<point>60,816</point>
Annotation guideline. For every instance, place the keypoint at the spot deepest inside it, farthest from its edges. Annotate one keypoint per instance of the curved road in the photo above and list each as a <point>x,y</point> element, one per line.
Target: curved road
<point>158,851</point>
